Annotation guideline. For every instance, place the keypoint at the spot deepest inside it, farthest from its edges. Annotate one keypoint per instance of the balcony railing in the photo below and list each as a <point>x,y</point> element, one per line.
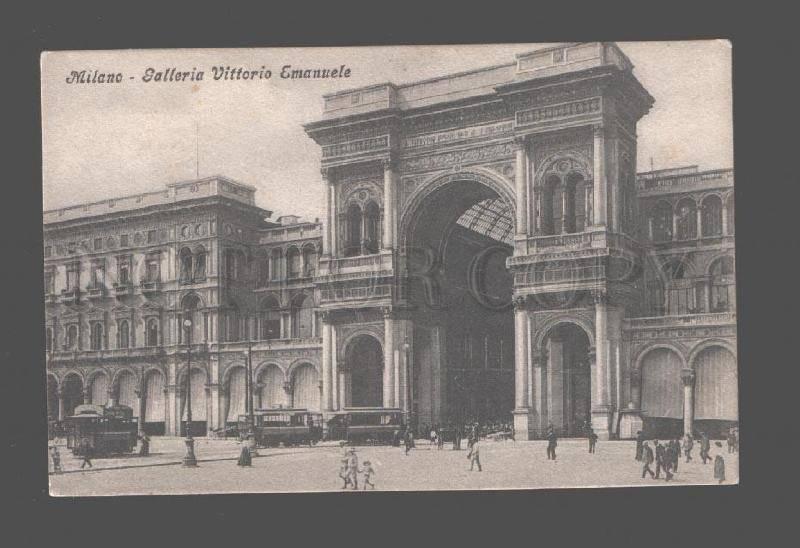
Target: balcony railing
<point>657,180</point>
<point>713,318</point>
<point>150,286</point>
<point>360,261</point>
<point>560,276</point>
<point>70,296</point>
<point>341,294</point>
<point>96,291</point>
<point>122,289</point>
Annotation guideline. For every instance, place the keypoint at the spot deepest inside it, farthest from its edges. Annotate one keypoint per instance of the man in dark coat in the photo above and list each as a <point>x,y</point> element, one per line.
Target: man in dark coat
<point>144,445</point>
<point>592,440</point>
<point>719,468</point>
<point>662,462</point>
<point>245,458</point>
<point>675,452</point>
<point>705,447</point>
<point>688,443</point>
<point>552,442</point>
<point>639,443</point>
<point>86,453</point>
<point>409,440</point>
<point>647,458</point>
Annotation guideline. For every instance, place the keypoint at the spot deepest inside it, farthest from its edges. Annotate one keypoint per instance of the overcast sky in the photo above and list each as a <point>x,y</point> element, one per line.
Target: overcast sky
<point>102,141</point>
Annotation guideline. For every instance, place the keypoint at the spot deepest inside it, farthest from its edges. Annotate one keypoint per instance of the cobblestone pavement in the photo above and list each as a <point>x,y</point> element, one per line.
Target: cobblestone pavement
<point>506,465</point>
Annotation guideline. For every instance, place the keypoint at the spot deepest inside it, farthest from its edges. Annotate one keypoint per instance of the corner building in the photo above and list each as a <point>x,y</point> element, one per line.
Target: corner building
<point>488,251</point>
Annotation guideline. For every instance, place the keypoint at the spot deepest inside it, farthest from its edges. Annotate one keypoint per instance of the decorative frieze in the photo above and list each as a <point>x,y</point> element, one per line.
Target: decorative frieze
<point>458,158</point>
<point>554,112</point>
<point>355,147</point>
<point>458,135</point>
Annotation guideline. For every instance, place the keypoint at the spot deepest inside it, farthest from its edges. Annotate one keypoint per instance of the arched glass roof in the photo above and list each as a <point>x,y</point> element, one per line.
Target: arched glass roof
<point>491,218</point>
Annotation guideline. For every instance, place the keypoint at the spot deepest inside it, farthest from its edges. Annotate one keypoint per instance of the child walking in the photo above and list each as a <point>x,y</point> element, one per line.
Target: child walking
<point>368,472</point>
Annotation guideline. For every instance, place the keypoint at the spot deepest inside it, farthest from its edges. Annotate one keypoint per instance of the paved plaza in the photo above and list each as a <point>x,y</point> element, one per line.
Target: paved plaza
<point>506,465</point>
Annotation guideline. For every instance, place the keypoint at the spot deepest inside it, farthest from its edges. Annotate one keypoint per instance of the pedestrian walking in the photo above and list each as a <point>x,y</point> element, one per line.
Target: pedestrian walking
<point>639,444</point>
<point>344,472</point>
<point>688,443</point>
<point>245,458</point>
<point>144,445</point>
<point>731,441</point>
<point>647,458</point>
<point>368,471</point>
<point>474,456</point>
<point>592,440</point>
<point>705,447</point>
<point>56,456</point>
<point>434,434</point>
<point>660,460</point>
<point>353,468</point>
<point>409,440</point>
<point>719,468</point>
<point>552,442</point>
<point>86,453</point>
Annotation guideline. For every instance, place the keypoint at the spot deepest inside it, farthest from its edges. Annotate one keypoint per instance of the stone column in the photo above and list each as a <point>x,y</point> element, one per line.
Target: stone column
<point>327,370</point>
<point>600,181</point>
<point>687,377</point>
<point>520,180</point>
<point>520,354</point>
<point>724,220</point>
<point>336,402</point>
<point>60,395</point>
<point>555,383</point>
<point>222,411</point>
<point>539,384</point>
<point>388,203</point>
<point>600,401</point>
<point>699,232</point>
<point>326,229</point>
<point>388,359</point>
<point>332,219</point>
<point>87,395</point>
<point>112,398</point>
<point>140,410</point>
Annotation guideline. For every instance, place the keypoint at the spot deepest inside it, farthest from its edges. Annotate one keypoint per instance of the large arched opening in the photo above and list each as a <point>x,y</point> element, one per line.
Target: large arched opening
<point>662,393</point>
<point>98,389</point>
<point>271,393</point>
<point>457,234</point>
<point>305,387</point>
<point>716,391</point>
<point>72,392</point>
<point>568,374</point>
<point>236,389</point>
<point>197,383</point>
<point>154,403</point>
<point>363,372</point>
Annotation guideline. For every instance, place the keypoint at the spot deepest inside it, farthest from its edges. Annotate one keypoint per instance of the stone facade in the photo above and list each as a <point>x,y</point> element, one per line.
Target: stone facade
<point>620,310</point>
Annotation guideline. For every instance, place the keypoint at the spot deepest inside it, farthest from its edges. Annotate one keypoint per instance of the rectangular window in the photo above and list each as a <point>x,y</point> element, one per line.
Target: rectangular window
<point>48,251</point>
<point>123,240</point>
<point>73,276</point>
<point>151,236</point>
<point>124,270</point>
<point>49,282</point>
<point>98,244</point>
<point>98,274</point>
<point>153,269</point>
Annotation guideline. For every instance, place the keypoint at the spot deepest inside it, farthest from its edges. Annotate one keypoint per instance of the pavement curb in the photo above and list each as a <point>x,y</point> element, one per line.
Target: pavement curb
<point>155,464</point>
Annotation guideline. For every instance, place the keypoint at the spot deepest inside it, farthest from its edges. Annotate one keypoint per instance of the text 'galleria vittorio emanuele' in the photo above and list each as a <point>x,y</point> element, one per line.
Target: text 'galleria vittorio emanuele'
<point>489,252</point>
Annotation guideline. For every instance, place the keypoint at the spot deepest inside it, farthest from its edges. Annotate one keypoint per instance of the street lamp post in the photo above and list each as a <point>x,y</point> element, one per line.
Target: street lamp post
<point>189,460</point>
<point>409,382</point>
<point>248,400</point>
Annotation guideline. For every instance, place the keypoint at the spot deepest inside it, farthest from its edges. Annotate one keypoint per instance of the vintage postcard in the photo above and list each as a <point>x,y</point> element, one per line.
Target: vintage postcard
<point>389,268</point>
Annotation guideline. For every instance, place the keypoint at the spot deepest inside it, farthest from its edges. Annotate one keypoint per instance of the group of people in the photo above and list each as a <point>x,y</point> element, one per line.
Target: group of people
<point>350,470</point>
<point>666,456</point>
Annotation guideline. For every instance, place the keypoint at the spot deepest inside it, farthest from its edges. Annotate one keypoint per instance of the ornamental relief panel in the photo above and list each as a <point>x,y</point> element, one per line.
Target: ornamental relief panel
<point>360,192</point>
<point>409,184</point>
<point>344,333</point>
<point>458,158</point>
<point>668,335</point>
<point>458,118</point>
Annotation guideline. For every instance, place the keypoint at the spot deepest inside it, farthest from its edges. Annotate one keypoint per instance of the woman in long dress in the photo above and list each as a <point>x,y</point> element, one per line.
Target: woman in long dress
<point>245,459</point>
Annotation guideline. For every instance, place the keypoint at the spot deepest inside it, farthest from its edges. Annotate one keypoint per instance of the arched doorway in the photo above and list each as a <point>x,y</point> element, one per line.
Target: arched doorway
<point>569,384</point>
<point>364,366</point>
<point>457,234</point>
<point>197,382</point>
<point>154,403</point>
<point>716,391</point>
<point>270,381</point>
<point>126,391</point>
<point>52,398</point>
<point>237,395</point>
<point>662,393</point>
<point>305,387</point>
<point>72,392</point>
<point>98,391</point>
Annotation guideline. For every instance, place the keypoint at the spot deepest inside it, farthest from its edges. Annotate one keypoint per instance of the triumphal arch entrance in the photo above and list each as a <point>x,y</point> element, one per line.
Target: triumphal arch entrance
<point>480,249</point>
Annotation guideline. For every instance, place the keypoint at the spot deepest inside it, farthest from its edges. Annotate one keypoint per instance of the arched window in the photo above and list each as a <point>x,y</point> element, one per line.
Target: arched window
<point>574,203</point>
<point>302,317</point>
<point>233,323</point>
<point>275,264</point>
<point>730,210</point>
<point>372,222</point>
<point>124,335</point>
<point>151,335</point>
<point>309,261</point>
<point>263,271</point>
<point>712,216</point>
<point>97,336</point>
<point>191,304</point>
<point>270,320</point>
<point>353,241</point>
<point>72,337</point>
<point>661,221</point>
<point>48,338</point>
<point>185,257</point>
<point>230,264</point>
<point>723,285</point>
<point>199,272</point>
<point>686,219</point>
<point>551,205</point>
<point>679,296</point>
<point>294,262</point>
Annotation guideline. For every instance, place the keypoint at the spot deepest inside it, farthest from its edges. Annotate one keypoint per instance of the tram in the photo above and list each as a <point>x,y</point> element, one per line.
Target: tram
<point>366,425</point>
<point>287,426</point>
<point>103,430</point>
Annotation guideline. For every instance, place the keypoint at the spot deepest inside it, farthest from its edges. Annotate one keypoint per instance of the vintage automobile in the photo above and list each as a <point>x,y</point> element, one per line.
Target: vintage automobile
<point>366,425</point>
<point>273,427</point>
<point>103,430</point>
